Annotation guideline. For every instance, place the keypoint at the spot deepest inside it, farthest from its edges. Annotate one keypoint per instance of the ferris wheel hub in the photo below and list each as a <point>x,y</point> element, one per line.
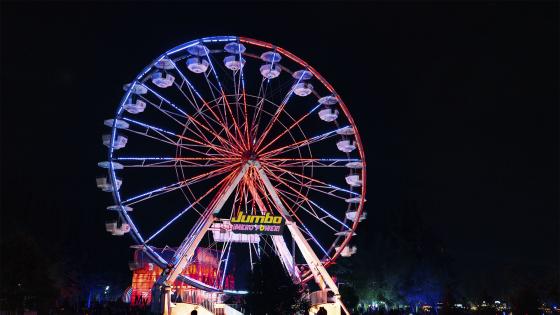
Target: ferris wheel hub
<point>249,155</point>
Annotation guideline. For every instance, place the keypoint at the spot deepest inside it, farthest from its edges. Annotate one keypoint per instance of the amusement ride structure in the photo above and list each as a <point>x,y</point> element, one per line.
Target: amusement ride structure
<point>235,145</point>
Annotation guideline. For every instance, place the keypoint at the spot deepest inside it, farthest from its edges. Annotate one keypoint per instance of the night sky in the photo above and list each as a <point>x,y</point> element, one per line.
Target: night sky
<point>457,105</point>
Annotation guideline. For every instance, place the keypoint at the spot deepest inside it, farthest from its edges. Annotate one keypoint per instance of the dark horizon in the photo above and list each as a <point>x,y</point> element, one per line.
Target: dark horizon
<point>457,105</point>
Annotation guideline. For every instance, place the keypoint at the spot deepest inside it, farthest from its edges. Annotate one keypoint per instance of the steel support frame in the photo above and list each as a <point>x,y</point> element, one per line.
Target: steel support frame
<point>320,274</point>
<point>279,244</point>
<point>187,248</point>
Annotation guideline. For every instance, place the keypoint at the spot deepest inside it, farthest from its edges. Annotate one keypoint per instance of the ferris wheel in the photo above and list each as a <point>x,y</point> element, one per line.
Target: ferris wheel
<point>235,144</point>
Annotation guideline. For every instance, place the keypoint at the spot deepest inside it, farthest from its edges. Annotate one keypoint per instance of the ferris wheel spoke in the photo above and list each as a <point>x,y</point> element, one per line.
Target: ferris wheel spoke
<point>236,126</point>
<point>194,103</point>
<point>264,87</point>
<point>310,202</point>
<point>226,102</point>
<point>258,107</point>
<point>208,127</point>
<point>161,98</point>
<point>180,184</point>
<point>294,215</point>
<point>223,141</point>
<point>309,185</point>
<point>311,211</point>
<point>197,132</point>
<point>301,143</point>
<point>173,161</point>
<point>325,189</point>
<point>319,183</point>
<point>305,229</point>
<point>163,139</point>
<point>200,111</point>
<point>294,124</point>
<point>219,119</point>
<point>276,114</point>
<point>190,206</point>
<point>312,205</point>
<point>311,162</point>
<point>244,94</point>
<point>164,132</point>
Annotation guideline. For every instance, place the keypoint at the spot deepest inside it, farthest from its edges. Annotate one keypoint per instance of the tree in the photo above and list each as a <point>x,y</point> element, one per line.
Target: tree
<point>401,262</point>
<point>349,296</point>
<point>271,291</point>
<point>525,301</point>
<point>24,278</point>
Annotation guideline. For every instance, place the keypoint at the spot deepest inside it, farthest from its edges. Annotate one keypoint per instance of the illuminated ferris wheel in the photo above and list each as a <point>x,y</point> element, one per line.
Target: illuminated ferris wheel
<point>238,145</point>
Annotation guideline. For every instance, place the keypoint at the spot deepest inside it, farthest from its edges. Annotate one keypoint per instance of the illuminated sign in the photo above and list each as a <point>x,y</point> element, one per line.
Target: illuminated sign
<point>257,224</point>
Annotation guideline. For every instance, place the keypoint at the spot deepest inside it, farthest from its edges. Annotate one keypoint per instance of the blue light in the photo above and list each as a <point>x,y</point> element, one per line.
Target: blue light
<point>215,74</point>
<point>314,239</point>
<point>215,39</point>
<point>328,213</point>
<point>315,108</point>
<point>225,267</point>
<point>241,71</point>
<point>150,192</point>
<point>345,190</point>
<point>149,126</point>
<point>169,223</point>
<point>236,291</point>
<point>130,158</point>
<point>165,100</point>
<point>185,46</point>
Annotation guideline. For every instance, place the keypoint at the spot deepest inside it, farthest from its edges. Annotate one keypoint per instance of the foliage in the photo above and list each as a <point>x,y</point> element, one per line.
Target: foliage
<point>272,291</point>
<point>402,263</point>
<point>349,296</point>
<point>24,278</point>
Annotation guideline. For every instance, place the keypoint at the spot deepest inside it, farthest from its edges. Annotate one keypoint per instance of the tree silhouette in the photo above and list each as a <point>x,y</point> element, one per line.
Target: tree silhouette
<point>271,291</point>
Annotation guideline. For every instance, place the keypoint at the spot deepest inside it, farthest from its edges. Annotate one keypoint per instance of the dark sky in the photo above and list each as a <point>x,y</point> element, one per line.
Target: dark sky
<point>457,105</point>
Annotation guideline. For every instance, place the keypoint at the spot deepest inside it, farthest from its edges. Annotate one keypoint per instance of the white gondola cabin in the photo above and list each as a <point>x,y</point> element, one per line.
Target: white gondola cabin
<point>354,180</point>
<point>106,164</point>
<point>197,64</point>
<point>233,62</point>
<point>234,48</point>
<point>302,75</point>
<point>354,165</point>
<point>328,100</point>
<point>328,114</point>
<point>105,185</point>
<point>120,141</point>
<point>161,80</point>
<point>165,64</point>
<point>347,251</point>
<point>270,71</point>
<point>271,56</point>
<point>303,89</point>
<point>137,89</point>
<point>351,215</point>
<point>353,200</point>
<point>119,123</point>
<point>135,108</point>
<point>118,208</point>
<point>345,131</point>
<point>346,146</point>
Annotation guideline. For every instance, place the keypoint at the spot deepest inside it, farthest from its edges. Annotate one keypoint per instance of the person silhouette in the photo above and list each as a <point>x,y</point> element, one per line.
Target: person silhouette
<point>322,311</point>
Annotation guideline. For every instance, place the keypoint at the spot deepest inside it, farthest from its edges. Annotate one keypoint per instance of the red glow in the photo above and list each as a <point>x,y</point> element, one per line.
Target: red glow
<point>204,269</point>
